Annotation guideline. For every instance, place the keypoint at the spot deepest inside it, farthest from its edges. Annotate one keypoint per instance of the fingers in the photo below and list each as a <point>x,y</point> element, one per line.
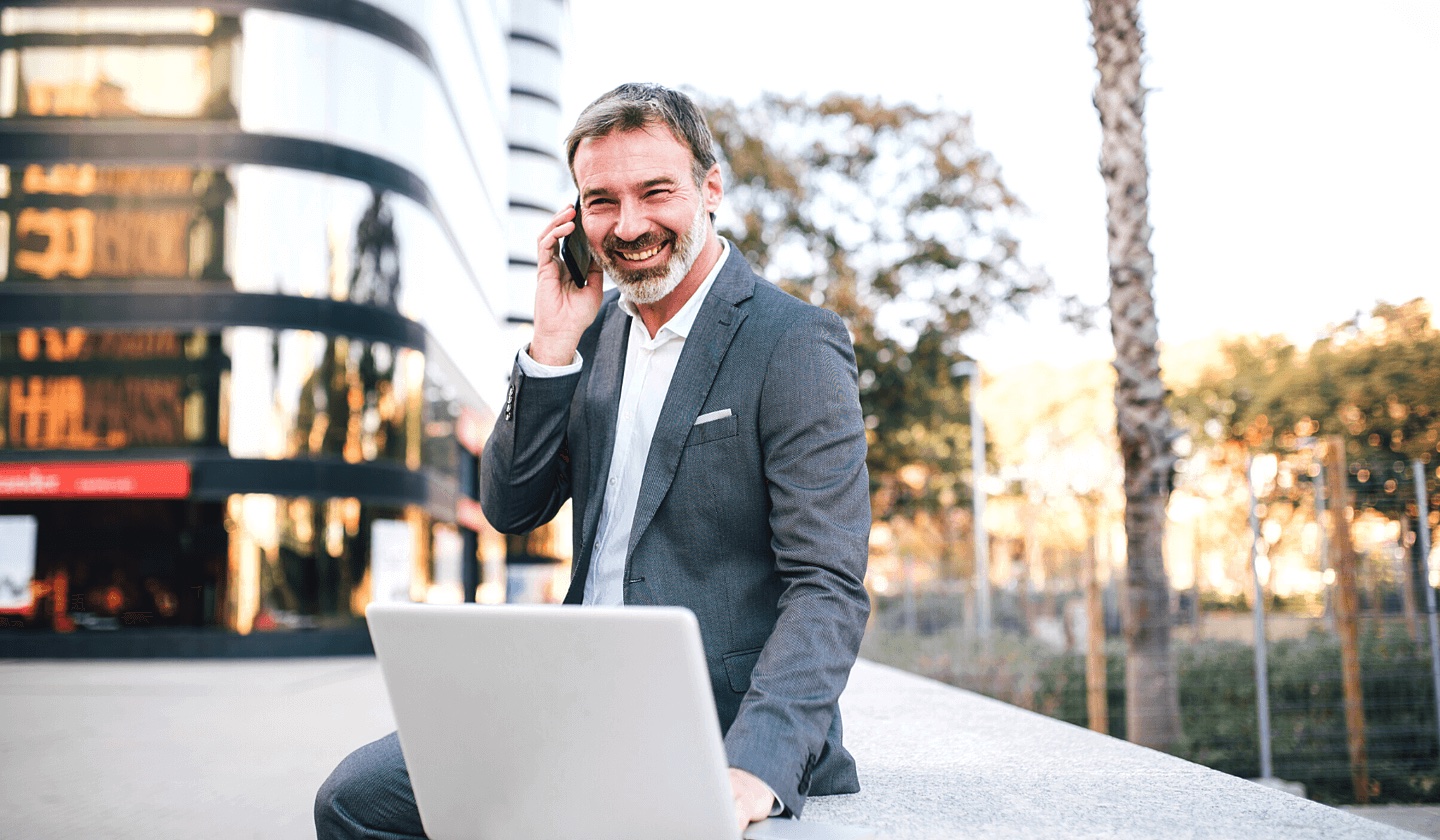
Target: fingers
<point>749,810</point>
<point>547,249</point>
<point>561,224</point>
<point>753,800</point>
<point>743,817</point>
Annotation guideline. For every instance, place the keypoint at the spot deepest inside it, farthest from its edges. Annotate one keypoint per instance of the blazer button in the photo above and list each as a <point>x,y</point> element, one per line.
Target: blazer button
<point>804,785</point>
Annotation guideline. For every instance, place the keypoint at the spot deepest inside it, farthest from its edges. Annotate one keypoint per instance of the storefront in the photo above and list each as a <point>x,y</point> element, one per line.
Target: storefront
<point>256,306</point>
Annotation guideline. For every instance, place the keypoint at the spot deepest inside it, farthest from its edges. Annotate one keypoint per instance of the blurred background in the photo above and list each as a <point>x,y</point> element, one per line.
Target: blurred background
<point>266,266</point>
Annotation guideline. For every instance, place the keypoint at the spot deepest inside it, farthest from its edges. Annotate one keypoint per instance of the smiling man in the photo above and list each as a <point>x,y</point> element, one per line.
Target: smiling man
<point>707,427</point>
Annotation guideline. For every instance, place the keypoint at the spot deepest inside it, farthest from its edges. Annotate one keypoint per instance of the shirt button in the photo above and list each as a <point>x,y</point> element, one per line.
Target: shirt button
<point>614,481</point>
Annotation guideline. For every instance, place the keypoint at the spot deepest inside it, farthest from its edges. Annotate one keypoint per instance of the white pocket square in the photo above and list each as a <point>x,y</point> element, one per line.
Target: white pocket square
<point>712,416</point>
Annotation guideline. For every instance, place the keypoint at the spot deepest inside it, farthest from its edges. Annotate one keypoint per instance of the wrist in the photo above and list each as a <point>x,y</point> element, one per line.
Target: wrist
<point>552,352</point>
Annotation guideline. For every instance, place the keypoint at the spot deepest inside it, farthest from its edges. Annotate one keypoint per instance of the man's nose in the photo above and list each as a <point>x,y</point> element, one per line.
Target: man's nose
<point>631,224</point>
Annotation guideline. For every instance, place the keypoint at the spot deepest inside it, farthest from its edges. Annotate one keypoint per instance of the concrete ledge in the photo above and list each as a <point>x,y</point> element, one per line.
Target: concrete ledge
<point>939,762</point>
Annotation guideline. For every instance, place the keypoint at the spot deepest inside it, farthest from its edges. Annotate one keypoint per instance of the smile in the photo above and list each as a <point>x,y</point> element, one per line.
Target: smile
<point>639,256</point>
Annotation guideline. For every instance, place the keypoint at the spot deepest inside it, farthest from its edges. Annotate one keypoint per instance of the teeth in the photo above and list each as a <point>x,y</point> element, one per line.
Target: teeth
<point>641,255</point>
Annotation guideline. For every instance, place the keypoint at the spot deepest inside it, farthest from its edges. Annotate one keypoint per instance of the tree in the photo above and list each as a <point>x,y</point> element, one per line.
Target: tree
<point>1152,705</point>
<point>1375,381</point>
<point>893,218</point>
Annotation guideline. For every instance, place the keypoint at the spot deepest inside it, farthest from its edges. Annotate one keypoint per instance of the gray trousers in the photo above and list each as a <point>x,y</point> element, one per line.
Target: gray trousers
<point>368,795</point>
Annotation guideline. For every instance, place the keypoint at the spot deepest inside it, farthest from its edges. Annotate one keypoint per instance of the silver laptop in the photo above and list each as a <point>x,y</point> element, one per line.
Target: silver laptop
<point>551,723</point>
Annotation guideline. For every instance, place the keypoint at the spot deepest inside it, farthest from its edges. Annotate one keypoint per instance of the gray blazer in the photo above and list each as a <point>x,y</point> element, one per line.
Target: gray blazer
<point>758,522</point>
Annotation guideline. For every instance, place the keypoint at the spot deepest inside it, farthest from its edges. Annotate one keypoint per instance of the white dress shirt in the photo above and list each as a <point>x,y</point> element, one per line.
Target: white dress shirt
<point>649,366</point>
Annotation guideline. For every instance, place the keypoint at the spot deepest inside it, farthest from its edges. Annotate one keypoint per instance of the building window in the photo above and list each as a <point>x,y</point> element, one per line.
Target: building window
<point>117,64</point>
<point>77,389</point>
<point>78,221</point>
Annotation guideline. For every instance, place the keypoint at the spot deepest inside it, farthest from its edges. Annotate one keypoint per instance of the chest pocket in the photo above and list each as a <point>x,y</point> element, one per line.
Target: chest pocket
<point>714,430</point>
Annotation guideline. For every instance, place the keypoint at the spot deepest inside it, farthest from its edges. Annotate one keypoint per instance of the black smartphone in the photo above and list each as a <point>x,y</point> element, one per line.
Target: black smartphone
<point>575,250</point>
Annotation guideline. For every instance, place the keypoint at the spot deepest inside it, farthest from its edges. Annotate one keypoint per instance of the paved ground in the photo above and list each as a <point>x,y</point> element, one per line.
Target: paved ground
<point>212,749</point>
<point>236,749</point>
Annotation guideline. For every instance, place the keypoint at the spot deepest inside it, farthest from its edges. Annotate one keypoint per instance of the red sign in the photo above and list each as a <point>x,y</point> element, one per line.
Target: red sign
<point>96,480</point>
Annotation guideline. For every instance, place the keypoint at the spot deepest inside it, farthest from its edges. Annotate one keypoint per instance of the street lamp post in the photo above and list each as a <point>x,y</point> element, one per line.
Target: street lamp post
<point>1258,474</point>
<point>977,457</point>
<point>1324,542</point>
<point>1422,503</point>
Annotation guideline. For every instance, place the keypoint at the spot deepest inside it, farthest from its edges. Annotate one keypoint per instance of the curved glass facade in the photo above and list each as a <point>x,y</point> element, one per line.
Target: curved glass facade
<point>257,301</point>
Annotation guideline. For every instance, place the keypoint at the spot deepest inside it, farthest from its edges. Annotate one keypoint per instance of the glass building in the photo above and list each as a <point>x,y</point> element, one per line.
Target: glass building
<point>265,268</point>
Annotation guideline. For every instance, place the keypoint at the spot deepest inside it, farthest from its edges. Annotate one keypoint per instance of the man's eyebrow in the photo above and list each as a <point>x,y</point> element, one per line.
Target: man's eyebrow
<point>661,181</point>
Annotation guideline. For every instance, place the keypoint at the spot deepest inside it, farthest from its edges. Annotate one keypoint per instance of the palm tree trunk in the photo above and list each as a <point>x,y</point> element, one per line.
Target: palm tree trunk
<point>1152,708</point>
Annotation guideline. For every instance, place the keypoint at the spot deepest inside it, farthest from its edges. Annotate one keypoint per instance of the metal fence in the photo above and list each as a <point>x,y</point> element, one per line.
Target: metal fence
<point>1034,657</point>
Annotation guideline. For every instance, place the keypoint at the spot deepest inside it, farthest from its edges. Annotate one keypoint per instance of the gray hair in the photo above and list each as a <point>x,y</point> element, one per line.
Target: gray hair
<point>639,105</point>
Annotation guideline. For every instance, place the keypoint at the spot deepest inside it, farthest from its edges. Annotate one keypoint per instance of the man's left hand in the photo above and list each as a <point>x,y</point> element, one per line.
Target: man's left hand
<point>753,799</point>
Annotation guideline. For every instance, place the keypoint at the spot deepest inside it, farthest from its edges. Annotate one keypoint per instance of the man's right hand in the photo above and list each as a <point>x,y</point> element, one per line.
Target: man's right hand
<point>562,310</point>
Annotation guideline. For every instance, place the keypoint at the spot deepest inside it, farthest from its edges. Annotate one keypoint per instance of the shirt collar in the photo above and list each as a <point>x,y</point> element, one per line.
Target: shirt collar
<point>683,320</point>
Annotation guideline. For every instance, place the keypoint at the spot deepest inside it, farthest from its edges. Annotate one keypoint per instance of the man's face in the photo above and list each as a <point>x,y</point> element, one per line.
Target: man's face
<point>644,216</point>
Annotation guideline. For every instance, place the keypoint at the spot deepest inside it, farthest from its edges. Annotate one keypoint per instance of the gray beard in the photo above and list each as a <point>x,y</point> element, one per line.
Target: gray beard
<point>647,290</point>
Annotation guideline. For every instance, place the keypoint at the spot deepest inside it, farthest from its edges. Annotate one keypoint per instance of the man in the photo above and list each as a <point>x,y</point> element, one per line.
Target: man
<point>707,428</point>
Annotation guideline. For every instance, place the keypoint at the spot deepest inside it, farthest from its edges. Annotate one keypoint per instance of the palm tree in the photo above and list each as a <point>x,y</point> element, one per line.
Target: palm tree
<point>1152,707</point>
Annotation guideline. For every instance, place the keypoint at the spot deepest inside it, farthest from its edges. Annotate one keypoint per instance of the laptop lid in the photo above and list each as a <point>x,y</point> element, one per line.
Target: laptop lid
<point>547,722</point>
<point>555,722</point>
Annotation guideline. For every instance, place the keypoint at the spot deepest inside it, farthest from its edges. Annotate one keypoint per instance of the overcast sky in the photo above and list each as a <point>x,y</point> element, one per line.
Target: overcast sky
<point>1294,145</point>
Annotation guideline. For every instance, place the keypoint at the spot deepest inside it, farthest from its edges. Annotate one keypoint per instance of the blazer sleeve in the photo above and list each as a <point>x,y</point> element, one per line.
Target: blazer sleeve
<point>524,468</point>
<point>813,444</point>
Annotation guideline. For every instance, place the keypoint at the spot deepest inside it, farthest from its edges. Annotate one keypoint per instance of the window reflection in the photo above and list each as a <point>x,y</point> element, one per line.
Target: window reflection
<point>320,237</point>
<point>303,394</point>
<point>447,556</point>
<point>266,393</point>
<point>134,564</point>
<point>442,409</point>
<point>80,221</point>
<point>537,563</point>
<point>85,63</point>
<point>95,389</point>
<point>84,21</point>
<point>252,563</point>
<point>352,403</point>
<point>375,277</point>
<point>68,412</point>
<point>299,563</point>
<point>330,237</point>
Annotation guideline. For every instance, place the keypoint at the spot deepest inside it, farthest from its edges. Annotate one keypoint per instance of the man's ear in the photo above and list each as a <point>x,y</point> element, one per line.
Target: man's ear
<point>713,189</point>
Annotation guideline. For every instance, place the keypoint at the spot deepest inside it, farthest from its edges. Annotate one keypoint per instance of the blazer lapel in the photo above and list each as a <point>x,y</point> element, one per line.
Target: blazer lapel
<point>602,405</point>
<point>715,327</point>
